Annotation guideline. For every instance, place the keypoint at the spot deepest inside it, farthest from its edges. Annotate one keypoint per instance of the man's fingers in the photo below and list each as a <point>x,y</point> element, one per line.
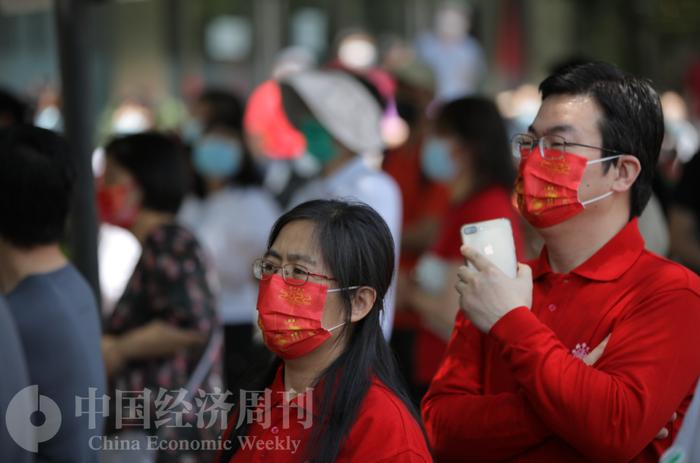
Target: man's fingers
<point>604,343</point>
<point>477,259</point>
<point>663,434</point>
<point>524,271</point>
<point>596,353</point>
<point>465,274</point>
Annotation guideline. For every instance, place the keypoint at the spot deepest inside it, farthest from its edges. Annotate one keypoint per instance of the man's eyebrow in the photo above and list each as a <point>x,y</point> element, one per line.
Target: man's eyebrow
<point>565,128</point>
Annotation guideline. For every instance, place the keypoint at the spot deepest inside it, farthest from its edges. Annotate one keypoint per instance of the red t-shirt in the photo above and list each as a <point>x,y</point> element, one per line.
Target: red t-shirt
<point>385,431</point>
<point>522,393</point>
<point>421,197</point>
<point>491,203</point>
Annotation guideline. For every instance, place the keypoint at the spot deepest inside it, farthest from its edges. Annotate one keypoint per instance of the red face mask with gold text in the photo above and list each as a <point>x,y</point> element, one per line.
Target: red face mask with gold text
<point>113,207</point>
<point>547,189</point>
<point>290,316</point>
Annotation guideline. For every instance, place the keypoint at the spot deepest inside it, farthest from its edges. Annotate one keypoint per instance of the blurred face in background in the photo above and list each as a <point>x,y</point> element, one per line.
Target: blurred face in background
<point>218,154</point>
<point>118,195</point>
<point>452,23</point>
<point>447,159</point>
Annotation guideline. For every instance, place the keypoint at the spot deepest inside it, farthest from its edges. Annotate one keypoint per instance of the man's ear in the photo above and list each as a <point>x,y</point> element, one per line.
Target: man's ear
<point>362,302</point>
<point>627,171</point>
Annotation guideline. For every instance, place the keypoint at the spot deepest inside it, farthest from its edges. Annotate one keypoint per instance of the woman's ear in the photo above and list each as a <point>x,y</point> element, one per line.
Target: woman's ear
<point>362,303</point>
<point>628,169</point>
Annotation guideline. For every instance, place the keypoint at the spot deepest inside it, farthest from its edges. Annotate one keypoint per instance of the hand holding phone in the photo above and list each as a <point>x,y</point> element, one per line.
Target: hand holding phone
<point>493,239</point>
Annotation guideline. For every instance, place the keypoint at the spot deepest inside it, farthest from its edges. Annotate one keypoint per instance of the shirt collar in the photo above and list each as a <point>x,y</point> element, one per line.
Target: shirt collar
<point>609,262</point>
<point>279,394</point>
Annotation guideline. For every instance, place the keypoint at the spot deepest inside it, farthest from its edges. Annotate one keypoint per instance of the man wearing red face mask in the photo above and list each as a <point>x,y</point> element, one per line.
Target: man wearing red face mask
<point>588,353</point>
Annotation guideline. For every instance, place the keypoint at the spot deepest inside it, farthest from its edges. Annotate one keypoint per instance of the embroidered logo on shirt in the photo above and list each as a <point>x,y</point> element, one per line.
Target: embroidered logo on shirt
<point>581,350</point>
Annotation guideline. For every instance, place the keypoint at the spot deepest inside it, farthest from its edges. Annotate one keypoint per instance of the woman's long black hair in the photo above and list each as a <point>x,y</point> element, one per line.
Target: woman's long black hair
<point>476,122</point>
<point>358,249</point>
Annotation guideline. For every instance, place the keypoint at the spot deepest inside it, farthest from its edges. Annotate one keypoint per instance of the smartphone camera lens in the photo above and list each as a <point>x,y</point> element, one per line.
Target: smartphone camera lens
<point>470,230</point>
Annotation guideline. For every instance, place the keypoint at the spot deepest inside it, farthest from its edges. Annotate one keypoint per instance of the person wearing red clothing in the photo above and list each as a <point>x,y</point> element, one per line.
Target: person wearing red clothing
<point>523,380</point>
<point>322,284</point>
<point>429,202</point>
<point>469,153</point>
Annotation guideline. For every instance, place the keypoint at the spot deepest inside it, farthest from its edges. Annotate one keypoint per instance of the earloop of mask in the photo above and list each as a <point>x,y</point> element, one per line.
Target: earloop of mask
<point>604,195</point>
<point>337,290</point>
<point>596,161</point>
<point>597,198</point>
<point>336,327</point>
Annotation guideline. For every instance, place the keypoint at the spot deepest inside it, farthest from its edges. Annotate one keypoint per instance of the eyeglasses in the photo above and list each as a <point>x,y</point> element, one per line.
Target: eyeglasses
<point>551,146</point>
<point>293,274</point>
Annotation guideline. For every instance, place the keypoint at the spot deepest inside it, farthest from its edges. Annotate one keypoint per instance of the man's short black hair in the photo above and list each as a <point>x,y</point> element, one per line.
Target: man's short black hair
<point>157,163</point>
<point>36,183</point>
<point>632,120</point>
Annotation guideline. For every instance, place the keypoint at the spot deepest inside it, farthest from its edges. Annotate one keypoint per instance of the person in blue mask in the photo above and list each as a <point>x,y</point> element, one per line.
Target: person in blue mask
<point>230,213</point>
<point>468,152</point>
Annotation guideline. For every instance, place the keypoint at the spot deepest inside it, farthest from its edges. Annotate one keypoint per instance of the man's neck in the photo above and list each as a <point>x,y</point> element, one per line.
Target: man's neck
<point>574,242</point>
<point>16,264</point>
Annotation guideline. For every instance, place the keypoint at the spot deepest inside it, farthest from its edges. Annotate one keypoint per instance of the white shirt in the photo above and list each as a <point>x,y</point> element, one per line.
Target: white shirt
<point>357,181</point>
<point>233,226</point>
<point>118,252</point>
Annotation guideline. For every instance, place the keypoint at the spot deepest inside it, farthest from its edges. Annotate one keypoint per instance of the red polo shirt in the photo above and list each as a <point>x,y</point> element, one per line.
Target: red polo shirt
<point>522,393</point>
<point>385,431</point>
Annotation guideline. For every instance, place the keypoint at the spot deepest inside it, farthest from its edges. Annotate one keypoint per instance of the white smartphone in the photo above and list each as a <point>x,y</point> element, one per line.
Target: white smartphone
<point>494,239</point>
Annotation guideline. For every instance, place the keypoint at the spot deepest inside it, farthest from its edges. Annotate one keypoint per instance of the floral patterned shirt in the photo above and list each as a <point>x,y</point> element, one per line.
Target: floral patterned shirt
<point>173,283</point>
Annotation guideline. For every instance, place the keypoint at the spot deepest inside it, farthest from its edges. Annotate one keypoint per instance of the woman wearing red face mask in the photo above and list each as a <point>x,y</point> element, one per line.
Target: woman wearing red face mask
<point>333,392</point>
<point>155,337</point>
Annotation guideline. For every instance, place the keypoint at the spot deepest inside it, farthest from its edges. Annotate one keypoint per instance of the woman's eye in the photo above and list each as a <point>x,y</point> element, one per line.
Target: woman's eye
<point>297,271</point>
<point>268,267</point>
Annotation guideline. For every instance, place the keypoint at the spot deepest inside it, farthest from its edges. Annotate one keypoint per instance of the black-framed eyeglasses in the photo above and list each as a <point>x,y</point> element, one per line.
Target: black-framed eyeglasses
<point>293,274</point>
<point>551,146</point>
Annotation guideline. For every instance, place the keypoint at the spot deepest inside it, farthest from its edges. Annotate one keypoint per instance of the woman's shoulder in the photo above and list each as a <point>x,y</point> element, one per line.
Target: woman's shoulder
<point>394,429</point>
<point>494,195</point>
<point>385,411</point>
<point>171,241</point>
<point>252,197</point>
<point>382,398</point>
<point>490,203</point>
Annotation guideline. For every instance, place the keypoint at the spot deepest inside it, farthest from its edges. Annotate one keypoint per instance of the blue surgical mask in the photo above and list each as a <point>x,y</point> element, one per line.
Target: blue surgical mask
<point>436,161</point>
<point>217,157</point>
